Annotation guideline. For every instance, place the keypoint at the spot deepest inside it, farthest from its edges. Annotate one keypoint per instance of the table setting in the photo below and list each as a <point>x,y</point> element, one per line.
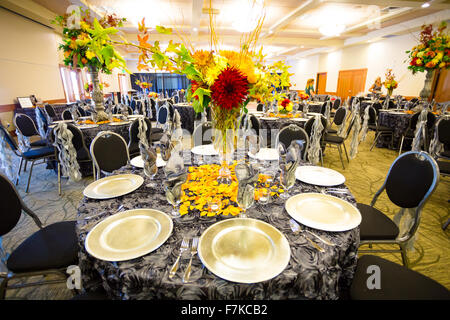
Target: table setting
<point>186,236</point>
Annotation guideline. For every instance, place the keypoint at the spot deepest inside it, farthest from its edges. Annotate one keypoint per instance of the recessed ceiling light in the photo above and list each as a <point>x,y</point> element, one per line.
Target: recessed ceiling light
<point>270,31</point>
<point>425,5</point>
<point>331,29</point>
<point>195,29</point>
<point>302,47</point>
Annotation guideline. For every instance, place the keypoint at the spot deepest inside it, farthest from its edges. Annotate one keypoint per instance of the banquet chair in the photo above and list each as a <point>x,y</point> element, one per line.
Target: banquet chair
<point>373,125</point>
<point>396,282</point>
<point>153,107</point>
<point>109,152</point>
<point>323,108</point>
<point>291,133</point>
<point>255,123</point>
<point>79,145</point>
<point>405,190</point>
<point>81,112</point>
<point>133,144</point>
<point>67,115</point>
<point>41,114</point>
<point>260,107</point>
<point>335,140</point>
<point>410,131</point>
<point>28,129</point>
<point>203,134</point>
<point>308,128</point>
<point>50,111</point>
<point>339,118</point>
<point>50,250</point>
<point>33,155</point>
<point>162,119</point>
<point>443,135</point>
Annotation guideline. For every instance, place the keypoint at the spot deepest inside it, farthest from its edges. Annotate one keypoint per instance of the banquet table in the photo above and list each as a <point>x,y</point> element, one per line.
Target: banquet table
<point>398,121</point>
<point>310,274</point>
<point>31,112</point>
<point>315,107</point>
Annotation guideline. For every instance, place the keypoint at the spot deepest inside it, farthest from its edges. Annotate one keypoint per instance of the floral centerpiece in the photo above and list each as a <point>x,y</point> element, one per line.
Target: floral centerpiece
<point>143,85</point>
<point>89,87</point>
<point>432,53</point>
<point>285,106</point>
<point>303,96</point>
<point>153,95</point>
<point>224,81</point>
<point>390,83</point>
<point>87,43</point>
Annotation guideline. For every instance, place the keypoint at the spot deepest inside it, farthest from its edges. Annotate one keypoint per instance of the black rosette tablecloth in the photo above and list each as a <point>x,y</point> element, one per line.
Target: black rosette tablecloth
<point>397,122</point>
<point>310,274</point>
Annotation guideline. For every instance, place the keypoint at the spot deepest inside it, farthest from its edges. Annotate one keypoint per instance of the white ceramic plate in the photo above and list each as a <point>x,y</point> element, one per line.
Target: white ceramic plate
<point>299,119</point>
<point>63,121</point>
<point>323,212</point>
<point>139,163</point>
<point>269,118</point>
<point>87,126</point>
<point>121,123</point>
<point>244,250</point>
<point>313,113</point>
<point>396,112</point>
<point>113,186</point>
<point>319,176</point>
<point>266,154</point>
<point>205,150</point>
<point>129,235</point>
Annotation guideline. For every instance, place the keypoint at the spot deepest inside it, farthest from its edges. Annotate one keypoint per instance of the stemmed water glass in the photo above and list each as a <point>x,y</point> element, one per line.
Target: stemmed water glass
<point>246,199</point>
<point>287,181</point>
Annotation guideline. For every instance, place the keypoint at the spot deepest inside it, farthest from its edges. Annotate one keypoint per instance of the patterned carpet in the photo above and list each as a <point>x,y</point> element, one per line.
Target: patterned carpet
<point>365,174</point>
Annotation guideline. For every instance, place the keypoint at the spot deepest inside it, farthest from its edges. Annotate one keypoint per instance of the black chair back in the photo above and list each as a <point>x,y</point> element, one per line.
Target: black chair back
<point>309,125</point>
<point>377,106</point>
<point>339,116</point>
<point>203,134</point>
<point>323,108</point>
<point>67,115</point>
<point>336,103</point>
<point>133,144</point>
<point>77,142</point>
<point>25,125</point>
<point>162,115</point>
<point>260,107</point>
<point>81,112</point>
<point>443,128</point>
<point>372,115</point>
<point>291,133</point>
<point>133,104</point>
<point>10,206</point>
<point>408,190</point>
<point>109,151</point>
<point>255,123</point>
<point>50,111</point>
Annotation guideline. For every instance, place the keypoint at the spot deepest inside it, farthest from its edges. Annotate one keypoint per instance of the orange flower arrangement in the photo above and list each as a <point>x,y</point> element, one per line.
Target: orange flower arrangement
<point>202,187</point>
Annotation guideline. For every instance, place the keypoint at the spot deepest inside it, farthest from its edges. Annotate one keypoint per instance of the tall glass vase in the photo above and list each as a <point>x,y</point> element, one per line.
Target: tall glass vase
<point>224,131</point>
<point>426,91</point>
<point>97,95</point>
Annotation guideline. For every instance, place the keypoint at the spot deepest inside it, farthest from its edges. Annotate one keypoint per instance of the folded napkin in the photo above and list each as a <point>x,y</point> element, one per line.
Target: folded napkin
<point>149,157</point>
<point>247,177</point>
<point>173,187</point>
<point>175,163</point>
<point>289,160</point>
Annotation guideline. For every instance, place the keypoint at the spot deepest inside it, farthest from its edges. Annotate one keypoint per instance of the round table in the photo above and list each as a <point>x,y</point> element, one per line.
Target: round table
<point>398,122</point>
<point>310,274</point>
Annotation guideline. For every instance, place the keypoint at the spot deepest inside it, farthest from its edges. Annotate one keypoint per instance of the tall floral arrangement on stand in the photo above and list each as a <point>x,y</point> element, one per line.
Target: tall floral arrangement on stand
<point>87,43</point>
<point>390,83</point>
<point>432,53</point>
<point>223,80</point>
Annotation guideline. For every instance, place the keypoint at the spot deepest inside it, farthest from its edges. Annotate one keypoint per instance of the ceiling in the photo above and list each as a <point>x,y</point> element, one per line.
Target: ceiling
<point>291,28</point>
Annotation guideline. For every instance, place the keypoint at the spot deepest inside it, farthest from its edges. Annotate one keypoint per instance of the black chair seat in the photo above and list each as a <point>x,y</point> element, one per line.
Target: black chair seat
<point>375,225</point>
<point>333,139</point>
<point>332,131</point>
<point>38,153</point>
<point>39,143</point>
<point>380,128</point>
<point>444,166</point>
<point>156,130</point>
<point>53,247</point>
<point>396,283</point>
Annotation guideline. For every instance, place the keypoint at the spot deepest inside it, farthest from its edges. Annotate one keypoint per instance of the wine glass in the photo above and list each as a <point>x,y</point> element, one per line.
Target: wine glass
<point>287,181</point>
<point>150,172</point>
<point>246,198</point>
<point>174,198</point>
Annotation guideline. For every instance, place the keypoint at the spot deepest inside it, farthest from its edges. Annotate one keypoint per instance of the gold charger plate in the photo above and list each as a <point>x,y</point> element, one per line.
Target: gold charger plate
<point>113,186</point>
<point>323,212</point>
<point>244,250</point>
<point>129,235</point>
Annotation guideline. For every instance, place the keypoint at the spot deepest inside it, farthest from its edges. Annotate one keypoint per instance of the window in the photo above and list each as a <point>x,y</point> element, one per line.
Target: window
<point>73,83</point>
<point>123,84</point>
<point>161,82</point>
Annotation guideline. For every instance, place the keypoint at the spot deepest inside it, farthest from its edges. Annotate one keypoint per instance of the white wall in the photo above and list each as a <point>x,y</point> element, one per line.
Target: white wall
<point>376,57</point>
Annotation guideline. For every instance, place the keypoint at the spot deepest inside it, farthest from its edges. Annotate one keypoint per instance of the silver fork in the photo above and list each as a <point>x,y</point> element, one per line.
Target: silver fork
<point>295,227</point>
<point>187,273</point>
<point>312,233</point>
<point>184,247</point>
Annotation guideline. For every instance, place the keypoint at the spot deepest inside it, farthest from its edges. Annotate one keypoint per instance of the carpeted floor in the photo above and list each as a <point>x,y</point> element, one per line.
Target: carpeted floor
<point>365,175</point>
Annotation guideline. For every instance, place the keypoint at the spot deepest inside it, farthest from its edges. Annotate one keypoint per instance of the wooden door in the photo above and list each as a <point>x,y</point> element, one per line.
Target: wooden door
<point>442,86</point>
<point>351,82</point>
<point>321,83</point>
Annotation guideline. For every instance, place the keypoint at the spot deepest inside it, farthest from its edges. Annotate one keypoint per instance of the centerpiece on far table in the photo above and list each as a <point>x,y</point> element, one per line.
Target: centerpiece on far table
<point>390,83</point>
<point>431,54</point>
<point>285,106</point>
<point>87,44</point>
<point>145,86</point>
